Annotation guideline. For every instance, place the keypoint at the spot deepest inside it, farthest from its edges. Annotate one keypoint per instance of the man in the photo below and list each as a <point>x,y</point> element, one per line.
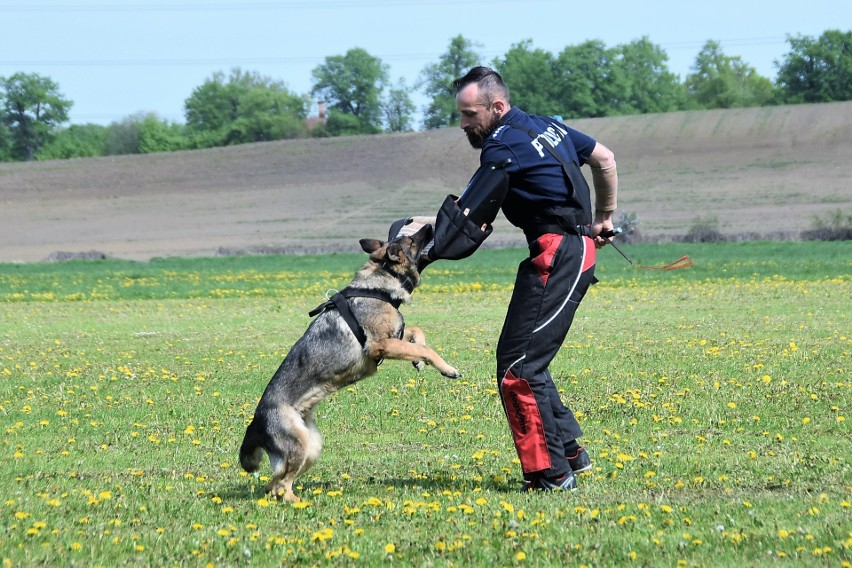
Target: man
<point>548,198</point>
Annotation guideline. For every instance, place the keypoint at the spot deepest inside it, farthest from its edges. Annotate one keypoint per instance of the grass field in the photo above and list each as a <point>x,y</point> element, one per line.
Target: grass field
<point>714,399</point>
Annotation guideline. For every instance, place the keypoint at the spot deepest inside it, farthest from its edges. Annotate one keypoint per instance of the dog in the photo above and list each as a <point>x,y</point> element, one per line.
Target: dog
<point>353,332</point>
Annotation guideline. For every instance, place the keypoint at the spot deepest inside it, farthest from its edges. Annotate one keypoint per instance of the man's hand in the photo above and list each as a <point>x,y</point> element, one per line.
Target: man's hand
<point>411,225</point>
<point>602,223</point>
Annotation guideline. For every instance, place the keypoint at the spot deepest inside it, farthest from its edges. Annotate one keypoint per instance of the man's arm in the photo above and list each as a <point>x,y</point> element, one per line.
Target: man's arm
<point>605,181</point>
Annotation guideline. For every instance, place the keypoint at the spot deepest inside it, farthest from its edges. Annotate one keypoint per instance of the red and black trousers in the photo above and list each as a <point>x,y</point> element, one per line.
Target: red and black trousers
<point>548,289</point>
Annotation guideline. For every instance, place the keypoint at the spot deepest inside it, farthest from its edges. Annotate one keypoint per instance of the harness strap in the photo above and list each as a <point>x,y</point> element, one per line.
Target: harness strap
<point>339,301</point>
<point>343,308</point>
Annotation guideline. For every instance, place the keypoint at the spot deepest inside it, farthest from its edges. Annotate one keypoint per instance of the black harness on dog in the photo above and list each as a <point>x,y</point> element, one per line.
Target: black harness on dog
<point>339,302</point>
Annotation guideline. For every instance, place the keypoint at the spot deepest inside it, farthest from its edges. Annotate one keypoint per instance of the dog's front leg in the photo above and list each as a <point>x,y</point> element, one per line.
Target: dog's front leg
<point>416,335</point>
<point>412,348</point>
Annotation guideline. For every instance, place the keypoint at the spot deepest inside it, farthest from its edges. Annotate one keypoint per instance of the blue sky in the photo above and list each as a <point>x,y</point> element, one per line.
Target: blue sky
<point>114,59</point>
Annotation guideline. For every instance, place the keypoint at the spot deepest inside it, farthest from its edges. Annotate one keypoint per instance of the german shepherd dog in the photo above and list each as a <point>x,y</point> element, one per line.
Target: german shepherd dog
<point>331,355</point>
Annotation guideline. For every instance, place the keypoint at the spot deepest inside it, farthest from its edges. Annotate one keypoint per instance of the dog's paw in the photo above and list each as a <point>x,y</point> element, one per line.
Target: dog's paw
<point>419,365</point>
<point>452,374</point>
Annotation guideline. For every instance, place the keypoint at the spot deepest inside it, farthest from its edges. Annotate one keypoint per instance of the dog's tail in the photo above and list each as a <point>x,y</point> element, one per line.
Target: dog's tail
<point>251,451</point>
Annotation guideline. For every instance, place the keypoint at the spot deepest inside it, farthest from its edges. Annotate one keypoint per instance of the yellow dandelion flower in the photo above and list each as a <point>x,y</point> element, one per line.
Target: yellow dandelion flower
<point>323,534</point>
<point>390,548</point>
<point>521,556</point>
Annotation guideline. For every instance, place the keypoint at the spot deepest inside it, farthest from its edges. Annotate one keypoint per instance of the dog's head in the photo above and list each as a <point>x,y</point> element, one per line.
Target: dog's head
<point>401,255</point>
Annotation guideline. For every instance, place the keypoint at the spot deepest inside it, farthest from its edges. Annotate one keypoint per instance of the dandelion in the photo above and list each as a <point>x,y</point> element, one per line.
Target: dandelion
<point>390,548</point>
<point>322,534</point>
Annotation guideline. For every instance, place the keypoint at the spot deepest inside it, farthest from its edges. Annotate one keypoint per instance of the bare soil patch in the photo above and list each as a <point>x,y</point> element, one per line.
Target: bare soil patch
<point>760,170</point>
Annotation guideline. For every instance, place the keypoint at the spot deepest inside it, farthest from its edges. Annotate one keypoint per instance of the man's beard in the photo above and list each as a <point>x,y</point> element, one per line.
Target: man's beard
<point>477,135</point>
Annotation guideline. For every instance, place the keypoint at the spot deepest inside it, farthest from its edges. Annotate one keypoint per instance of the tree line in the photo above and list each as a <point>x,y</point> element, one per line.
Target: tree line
<point>582,81</point>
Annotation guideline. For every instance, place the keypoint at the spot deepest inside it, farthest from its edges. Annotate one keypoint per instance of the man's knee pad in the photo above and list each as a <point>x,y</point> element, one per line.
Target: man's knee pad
<point>526,424</point>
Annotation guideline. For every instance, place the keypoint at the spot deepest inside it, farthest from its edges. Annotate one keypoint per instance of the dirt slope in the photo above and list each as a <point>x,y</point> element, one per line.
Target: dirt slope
<point>763,170</point>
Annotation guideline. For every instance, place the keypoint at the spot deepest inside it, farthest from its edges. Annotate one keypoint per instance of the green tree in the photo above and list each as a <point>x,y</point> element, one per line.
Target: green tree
<point>534,79</point>
<point>243,107</point>
<point>590,84</point>
<point>5,144</point>
<point>817,70</point>
<point>720,81</point>
<point>144,133</point>
<point>651,86</point>
<point>76,141</point>
<point>158,135</point>
<point>122,137</point>
<point>398,108</point>
<point>437,79</point>
<point>352,85</point>
<point>32,107</point>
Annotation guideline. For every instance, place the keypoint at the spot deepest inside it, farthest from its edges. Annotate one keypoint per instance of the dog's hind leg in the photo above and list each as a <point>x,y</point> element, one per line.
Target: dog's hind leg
<point>314,446</point>
<point>288,452</point>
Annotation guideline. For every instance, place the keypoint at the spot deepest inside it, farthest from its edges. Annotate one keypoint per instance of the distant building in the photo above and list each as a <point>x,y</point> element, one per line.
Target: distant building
<point>321,117</point>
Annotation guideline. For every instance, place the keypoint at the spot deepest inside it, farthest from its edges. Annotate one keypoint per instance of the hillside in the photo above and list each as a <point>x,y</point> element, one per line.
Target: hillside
<point>757,170</point>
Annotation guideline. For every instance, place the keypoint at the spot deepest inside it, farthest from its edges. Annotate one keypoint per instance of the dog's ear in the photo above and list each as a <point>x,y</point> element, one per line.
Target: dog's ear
<point>371,245</point>
<point>394,252</point>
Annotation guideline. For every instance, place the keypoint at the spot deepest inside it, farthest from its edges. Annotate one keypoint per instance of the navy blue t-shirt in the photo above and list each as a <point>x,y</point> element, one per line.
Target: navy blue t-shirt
<point>536,178</point>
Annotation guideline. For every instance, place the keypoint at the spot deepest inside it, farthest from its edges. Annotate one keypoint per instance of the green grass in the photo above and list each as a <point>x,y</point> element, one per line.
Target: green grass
<point>714,401</point>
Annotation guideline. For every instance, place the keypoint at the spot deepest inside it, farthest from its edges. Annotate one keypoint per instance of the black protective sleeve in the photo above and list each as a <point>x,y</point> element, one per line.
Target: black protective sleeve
<point>458,227</point>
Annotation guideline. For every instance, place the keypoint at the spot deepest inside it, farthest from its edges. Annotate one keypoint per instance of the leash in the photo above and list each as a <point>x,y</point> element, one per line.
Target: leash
<point>682,262</point>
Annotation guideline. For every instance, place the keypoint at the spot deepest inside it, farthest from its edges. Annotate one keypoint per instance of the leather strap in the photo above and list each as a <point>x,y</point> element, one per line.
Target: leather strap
<point>339,302</point>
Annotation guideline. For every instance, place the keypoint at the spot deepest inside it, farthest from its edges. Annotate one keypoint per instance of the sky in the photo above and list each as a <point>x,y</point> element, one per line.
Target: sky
<point>116,59</point>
